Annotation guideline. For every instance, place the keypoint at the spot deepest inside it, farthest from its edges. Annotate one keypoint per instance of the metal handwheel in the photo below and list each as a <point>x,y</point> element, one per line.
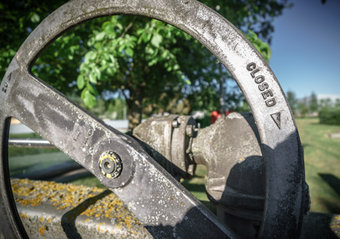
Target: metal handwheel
<point>141,181</point>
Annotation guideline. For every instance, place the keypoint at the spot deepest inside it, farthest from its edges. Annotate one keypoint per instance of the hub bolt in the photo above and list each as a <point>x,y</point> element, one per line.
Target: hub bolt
<point>110,164</point>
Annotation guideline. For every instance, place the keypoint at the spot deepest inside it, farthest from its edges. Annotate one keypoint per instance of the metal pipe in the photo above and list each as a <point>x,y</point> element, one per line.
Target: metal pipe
<point>30,143</point>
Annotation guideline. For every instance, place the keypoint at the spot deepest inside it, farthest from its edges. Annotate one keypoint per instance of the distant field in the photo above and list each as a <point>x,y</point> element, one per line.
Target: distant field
<point>322,163</point>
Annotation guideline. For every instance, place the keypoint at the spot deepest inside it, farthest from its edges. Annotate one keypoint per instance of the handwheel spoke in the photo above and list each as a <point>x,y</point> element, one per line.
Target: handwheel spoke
<point>158,201</point>
<point>55,118</point>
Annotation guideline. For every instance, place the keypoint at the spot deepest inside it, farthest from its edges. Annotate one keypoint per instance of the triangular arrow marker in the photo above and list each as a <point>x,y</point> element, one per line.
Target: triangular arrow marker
<point>277,119</point>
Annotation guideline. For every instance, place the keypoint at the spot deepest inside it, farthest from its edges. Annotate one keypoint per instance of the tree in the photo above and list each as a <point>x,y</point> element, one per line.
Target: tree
<point>292,101</point>
<point>132,55</point>
<point>303,108</point>
<point>313,103</point>
<point>325,103</point>
<point>330,115</point>
<point>18,18</point>
<point>337,103</point>
<point>149,63</point>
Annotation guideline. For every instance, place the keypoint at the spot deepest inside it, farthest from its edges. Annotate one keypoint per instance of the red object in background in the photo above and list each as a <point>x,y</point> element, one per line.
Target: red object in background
<point>216,114</point>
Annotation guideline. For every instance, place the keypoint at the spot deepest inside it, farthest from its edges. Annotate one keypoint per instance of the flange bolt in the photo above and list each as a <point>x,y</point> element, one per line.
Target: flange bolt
<point>175,123</point>
<point>189,130</point>
<point>110,164</point>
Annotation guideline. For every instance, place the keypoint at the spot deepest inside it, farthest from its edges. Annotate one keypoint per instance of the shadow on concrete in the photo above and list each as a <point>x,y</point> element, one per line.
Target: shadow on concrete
<point>51,171</point>
<point>17,172</point>
<point>68,219</point>
<point>72,176</point>
<point>332,206</point>
<point>333,181</point>
<point>188,228</point>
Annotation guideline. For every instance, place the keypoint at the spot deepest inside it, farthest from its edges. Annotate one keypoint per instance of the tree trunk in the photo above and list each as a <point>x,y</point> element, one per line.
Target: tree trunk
<point>222,92</point>
<point>135,107</point>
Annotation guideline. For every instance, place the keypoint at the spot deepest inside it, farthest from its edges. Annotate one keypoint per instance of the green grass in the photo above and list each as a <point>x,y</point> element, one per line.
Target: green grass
<point>322,164</point>
<point>196,186</point>
<point>32,162</point>
<point>24,160</point>
<point>14,151</point>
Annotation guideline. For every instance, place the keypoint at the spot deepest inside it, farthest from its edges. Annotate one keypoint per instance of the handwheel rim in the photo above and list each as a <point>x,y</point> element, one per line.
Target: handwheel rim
<point>279,137</point>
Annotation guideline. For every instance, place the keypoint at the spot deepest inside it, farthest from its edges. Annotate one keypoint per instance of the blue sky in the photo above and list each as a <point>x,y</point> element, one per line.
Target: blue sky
<point>306,48</point>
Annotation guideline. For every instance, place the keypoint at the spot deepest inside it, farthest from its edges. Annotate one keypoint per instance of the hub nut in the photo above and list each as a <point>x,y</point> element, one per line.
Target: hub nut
<point>110,164</point>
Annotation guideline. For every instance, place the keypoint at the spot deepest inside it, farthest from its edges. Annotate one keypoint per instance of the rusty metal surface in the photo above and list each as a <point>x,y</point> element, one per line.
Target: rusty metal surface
<point>235,180</point>
<point>142,181</point>
<point>236,174</point>
<point>166,139</point>
<point>234,163</point>
<point>156,132</point>
<point>54,210</point>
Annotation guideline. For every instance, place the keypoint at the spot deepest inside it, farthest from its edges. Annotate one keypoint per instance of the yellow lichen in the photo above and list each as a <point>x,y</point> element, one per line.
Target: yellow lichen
<point>42,230</point>
<point>68,197</point>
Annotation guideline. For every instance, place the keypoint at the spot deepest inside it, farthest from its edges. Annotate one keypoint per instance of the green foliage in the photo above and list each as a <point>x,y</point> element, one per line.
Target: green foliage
<point>110,109</point>
<point>330,115</point>
<point>261,46</point>
<point>122,50</point>
<point>57,64</point>
<point>18,19</point>
<point>205,121</point>
<point>116,109</point>
<point>243,107</point>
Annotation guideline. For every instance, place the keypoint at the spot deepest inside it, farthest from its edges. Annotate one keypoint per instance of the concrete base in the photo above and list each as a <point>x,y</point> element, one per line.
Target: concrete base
<point>55,210</point>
